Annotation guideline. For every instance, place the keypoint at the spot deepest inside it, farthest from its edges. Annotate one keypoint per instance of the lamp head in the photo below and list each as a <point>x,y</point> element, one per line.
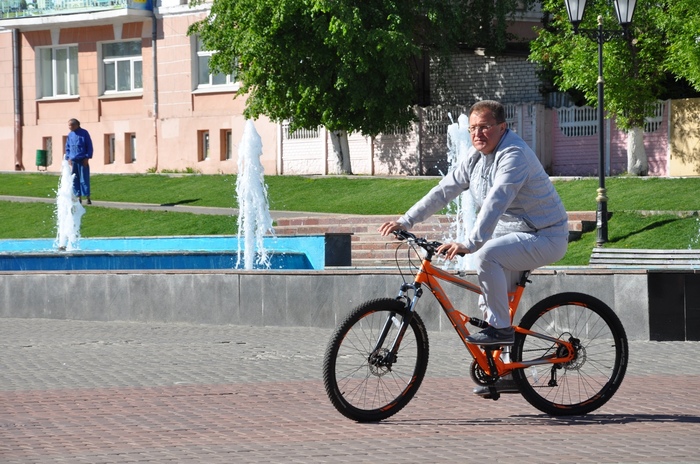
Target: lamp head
<point>624,10</point>
<point>575,9</point>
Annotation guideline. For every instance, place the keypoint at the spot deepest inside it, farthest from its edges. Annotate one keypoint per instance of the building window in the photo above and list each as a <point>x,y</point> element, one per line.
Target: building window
<point>130,144</point>
<point>203,145</point>
<point>58,72</point>
<point>110,148</point>
<point>226,145</point>
<point>122,67</point>
<point>47,144</point>
<point>204,77</point>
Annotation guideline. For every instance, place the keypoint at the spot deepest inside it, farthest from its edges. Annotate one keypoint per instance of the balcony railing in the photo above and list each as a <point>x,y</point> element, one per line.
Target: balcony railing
<point>17,9</point>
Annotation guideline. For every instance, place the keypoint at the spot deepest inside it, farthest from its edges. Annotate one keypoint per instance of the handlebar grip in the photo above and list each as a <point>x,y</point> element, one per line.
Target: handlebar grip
<point>478,322</point>
<point>403,234</point>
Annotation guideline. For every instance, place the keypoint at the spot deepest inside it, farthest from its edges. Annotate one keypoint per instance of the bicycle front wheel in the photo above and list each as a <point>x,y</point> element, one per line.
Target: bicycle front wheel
<point>600,360</point>
<point>362,379</point>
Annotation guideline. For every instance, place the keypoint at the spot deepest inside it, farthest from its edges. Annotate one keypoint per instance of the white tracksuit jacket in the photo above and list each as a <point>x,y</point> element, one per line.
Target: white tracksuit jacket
<point>521,222</point>
<point>511,192</point>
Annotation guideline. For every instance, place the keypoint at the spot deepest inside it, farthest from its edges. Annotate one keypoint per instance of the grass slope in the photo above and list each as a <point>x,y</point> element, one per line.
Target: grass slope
<point>628,199</point>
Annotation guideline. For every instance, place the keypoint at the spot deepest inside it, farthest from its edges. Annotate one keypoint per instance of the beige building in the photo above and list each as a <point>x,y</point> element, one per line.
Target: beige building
<point>144,93</point>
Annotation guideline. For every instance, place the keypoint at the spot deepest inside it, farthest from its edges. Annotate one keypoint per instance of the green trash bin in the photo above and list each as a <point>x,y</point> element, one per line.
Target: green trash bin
<point>41,158</point>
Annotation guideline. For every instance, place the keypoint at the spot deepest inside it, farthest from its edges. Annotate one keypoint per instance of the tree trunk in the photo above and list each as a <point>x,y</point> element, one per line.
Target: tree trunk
<point>341,150</point>
<point>636,154</point>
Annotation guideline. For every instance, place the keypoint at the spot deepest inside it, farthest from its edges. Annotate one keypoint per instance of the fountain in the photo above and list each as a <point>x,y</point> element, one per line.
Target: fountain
<point>69,212</point>
<point>158,253</point>
<point>461,210</point>
<point>255,236</point>
<point>254,220</point>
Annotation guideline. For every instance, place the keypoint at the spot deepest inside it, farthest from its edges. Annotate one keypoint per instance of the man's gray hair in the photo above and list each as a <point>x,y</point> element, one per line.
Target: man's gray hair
<point>496,109</point>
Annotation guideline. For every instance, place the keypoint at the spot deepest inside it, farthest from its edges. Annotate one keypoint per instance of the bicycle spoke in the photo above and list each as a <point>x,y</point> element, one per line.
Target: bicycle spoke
<point>600,354</point>
<point>362,379</point>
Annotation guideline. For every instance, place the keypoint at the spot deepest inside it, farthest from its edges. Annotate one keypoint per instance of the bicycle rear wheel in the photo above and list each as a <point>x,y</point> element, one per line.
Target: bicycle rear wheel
<point>589,380</point>
<point>361,379</point>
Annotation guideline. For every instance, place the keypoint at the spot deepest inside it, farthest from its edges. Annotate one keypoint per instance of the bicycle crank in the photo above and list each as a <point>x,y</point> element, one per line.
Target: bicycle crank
<point>480,377</point>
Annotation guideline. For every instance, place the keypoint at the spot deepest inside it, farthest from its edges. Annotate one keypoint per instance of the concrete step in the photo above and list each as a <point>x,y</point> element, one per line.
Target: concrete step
<point>371,250</point>
<point>578,221</point>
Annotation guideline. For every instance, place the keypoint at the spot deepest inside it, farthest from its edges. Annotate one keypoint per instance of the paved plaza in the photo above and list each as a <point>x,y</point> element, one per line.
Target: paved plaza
<point>97,392</point>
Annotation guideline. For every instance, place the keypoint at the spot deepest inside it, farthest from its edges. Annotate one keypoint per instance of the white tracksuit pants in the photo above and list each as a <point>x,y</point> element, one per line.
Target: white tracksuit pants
<point>499,265</point>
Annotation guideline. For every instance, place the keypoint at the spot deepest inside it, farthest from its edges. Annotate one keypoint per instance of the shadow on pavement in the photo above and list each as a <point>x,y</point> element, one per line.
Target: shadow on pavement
<point>546,420</point>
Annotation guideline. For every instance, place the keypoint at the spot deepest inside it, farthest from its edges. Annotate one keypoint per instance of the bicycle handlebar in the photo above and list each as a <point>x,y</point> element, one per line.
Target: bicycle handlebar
<point>430,247</point>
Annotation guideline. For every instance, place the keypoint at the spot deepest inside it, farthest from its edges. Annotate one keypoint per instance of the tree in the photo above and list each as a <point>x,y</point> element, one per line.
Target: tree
<point>634,67</point>
<point>681,24</point>
<point>349,65</point>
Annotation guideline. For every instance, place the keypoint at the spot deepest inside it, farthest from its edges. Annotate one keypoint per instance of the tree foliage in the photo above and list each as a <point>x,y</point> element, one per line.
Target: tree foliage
<point>681,24</point>
<point>347,65</point>
<point>633,67</point>
<point>663,38</point>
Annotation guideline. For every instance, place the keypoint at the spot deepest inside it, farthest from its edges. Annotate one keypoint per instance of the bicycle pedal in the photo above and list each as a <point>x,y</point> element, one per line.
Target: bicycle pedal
<point>487,393</point>
<point>493,394</point>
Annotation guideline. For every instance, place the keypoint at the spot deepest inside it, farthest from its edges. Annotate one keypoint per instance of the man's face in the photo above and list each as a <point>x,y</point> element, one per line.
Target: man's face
<point>72,126</point>
<point>485,132</point>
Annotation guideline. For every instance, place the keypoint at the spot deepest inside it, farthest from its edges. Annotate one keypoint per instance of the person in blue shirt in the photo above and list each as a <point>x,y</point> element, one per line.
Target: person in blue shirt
<point>78,153</point>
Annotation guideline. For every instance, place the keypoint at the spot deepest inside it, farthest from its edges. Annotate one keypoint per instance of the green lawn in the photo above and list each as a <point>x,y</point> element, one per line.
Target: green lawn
<point>629,200</point>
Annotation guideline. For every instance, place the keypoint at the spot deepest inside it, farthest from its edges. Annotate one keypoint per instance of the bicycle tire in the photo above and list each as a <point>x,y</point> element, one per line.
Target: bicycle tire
<point>588,381</point>
<point>360,390</point>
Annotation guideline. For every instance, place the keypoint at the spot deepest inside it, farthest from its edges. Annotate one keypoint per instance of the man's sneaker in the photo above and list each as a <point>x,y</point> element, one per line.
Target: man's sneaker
<point>493,336</point>
<point>503,385</point>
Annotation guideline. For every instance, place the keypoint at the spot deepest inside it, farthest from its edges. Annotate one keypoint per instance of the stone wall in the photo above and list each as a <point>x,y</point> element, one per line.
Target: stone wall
<point>473,77</point>
<point>273,298</point>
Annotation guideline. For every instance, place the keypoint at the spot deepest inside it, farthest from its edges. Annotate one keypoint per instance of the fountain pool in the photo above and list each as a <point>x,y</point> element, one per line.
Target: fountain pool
<point>145,253</point>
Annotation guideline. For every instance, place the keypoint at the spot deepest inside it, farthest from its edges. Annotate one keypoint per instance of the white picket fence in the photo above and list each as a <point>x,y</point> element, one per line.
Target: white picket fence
<point>421,149</point>
<point>582,121</point>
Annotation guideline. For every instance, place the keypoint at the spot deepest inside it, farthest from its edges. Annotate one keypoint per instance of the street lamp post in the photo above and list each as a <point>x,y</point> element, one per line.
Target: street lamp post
<point>624,10</point>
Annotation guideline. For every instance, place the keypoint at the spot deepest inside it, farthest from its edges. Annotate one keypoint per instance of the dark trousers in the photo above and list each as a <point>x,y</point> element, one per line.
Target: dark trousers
<point>81,179</point>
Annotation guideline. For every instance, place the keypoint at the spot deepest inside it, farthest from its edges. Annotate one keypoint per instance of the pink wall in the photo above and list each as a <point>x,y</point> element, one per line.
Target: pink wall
<point>578,156</point>
<point>7,138</point>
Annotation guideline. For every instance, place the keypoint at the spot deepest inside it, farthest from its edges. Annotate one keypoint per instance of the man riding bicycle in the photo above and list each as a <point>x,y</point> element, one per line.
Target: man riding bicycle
<point>521,222</point>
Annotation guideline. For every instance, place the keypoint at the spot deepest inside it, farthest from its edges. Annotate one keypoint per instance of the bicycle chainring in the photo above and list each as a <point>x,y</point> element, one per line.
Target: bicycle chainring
<point>479,376</point>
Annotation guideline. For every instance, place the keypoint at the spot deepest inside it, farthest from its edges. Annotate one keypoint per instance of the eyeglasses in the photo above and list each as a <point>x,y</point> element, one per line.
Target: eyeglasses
<point>475,129</point>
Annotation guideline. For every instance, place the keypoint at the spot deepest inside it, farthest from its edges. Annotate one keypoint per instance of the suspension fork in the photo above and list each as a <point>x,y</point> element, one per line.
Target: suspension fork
<point>391,320</point>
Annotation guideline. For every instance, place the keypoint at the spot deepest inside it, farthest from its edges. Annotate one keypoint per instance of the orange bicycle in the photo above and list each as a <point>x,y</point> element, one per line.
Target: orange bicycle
<point>569,356</point>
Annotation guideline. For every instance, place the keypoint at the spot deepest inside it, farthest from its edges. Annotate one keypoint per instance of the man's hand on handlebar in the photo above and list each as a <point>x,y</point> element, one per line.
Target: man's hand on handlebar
<point>450,250</point>
<point>389,227</point>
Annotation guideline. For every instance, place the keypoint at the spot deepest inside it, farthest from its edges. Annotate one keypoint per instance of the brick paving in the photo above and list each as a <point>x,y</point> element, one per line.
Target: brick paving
<point>96,392</point>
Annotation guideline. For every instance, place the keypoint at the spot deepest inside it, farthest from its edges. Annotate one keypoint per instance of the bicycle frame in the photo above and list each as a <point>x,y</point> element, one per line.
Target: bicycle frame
<point>489,360</point>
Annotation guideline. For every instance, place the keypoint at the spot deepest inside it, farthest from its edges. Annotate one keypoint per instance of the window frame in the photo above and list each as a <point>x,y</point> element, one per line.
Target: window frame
<point>226,144</point>
<point>71,67</point>
<point>231,84</point>
<point>115,61</point>
<point>203,145</point>
<point>130,147</point>
<point>110,142</point>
